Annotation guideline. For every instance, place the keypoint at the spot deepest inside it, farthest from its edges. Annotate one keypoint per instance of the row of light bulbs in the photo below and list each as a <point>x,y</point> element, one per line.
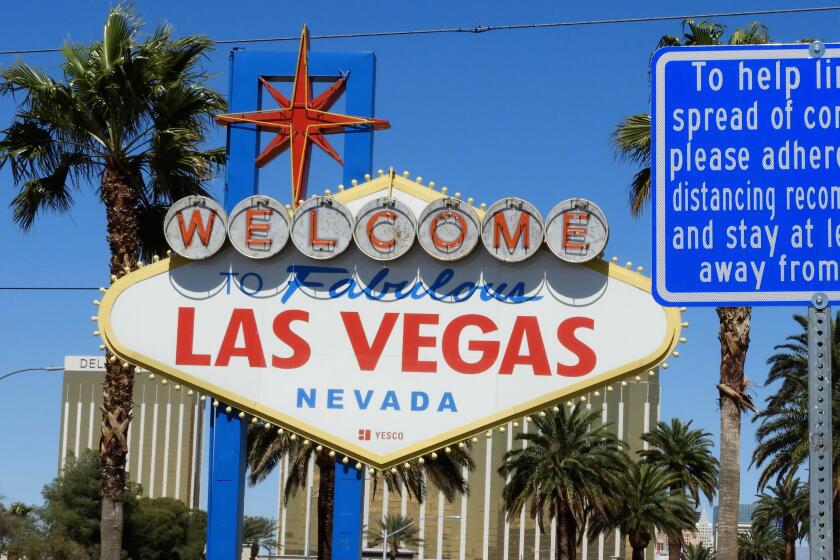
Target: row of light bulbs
<point>345,460</point>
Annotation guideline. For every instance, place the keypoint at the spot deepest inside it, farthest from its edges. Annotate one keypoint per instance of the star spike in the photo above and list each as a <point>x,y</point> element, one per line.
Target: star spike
<point>302,90</point>
<point>281,99</point>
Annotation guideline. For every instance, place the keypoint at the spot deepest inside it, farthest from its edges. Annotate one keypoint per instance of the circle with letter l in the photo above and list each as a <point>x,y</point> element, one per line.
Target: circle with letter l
<point>448,229</point>
<point>322,228</point>
<point>385,229</point>
<point>258,227</point>
<point>512,229</point>
<point>195,227</point>
<point>576,230</point>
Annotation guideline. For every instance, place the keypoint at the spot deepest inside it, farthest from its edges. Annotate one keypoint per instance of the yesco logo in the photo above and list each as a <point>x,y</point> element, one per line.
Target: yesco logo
<point>385,228</point>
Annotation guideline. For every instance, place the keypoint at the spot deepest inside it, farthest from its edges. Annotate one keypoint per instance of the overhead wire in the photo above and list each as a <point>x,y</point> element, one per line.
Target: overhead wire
<point>481,29</point>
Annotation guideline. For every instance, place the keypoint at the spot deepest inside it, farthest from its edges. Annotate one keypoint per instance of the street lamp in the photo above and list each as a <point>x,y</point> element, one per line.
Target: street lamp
<point>386,534</point>
<point>48,368</point>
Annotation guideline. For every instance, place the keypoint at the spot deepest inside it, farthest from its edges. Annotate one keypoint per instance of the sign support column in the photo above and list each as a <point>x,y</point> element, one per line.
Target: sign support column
<point>819,428</point>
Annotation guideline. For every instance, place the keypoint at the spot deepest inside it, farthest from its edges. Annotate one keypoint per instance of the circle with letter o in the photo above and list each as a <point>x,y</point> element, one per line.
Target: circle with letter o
<point>448,229</point>
<point>385,229</point>
<point>258,227</point>
<point>322,228</point>
<point>195,227</point>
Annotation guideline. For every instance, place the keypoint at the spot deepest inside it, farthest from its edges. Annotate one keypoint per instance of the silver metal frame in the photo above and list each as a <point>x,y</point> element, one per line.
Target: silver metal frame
<point>819,428</point>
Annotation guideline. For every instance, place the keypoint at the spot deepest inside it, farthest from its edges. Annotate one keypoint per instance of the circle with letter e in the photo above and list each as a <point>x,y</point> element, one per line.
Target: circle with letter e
<point>448,229</point>
<point>195,227</point>
<point>385,229</point>
<point>322,228</point>
<point>258,227</point>
<point>512,229</point>
<point>576,230</point>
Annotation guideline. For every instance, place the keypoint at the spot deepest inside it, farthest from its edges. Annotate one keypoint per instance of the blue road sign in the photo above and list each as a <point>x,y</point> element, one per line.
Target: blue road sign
<point>746,174</point>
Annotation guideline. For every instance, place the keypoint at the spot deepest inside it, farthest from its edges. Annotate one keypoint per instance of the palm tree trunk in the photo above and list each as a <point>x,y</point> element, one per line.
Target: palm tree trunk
<point>565,534</point>
<point>326,499</point>
<point>117,390</point>
<point>571,534</point>
<point>789,537</point>
<point>674,547</point>
<point>836,516</point>
<point>639,552</point>
<point>734,335</point>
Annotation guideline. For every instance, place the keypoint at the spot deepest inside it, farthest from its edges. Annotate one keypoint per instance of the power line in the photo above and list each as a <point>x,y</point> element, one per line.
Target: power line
<point>479,29</point>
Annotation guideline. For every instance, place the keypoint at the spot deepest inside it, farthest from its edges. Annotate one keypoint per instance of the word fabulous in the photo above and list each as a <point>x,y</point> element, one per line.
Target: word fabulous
<point>385,228</point>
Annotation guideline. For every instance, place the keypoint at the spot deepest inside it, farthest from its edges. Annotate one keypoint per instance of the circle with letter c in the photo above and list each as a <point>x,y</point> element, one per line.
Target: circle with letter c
<point>385,229</point>
<point>448,229</point>
<point>322,227</point>
<point>258,227</point>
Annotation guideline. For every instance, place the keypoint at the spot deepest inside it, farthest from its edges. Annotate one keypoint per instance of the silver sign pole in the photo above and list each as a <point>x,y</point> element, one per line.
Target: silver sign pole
<point>819,427</point>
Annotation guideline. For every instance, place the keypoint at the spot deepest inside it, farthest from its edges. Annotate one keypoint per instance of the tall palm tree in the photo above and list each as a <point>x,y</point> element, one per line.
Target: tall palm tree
<point>267,447</point>
<point>631,141</point>
<point>787,502</point>
<point>566,471</point>
<point>130,116</point>
<point>400,531</point>
<point>258,532</point>
<point>686,454</point>
<point>761,542</point>
<point>641,504</point>
<point>698,552</point>
<point>783,430</point>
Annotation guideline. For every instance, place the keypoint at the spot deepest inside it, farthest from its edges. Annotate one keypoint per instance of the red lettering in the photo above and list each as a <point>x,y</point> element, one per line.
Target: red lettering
<point>204,230</point>
<point>283,330</point>
<point>252,227</point>
<point>575,233</point>
<point>451,344</point>
<point>525,327</point>
<point>586,356</point>
<point>242,320</point>
<point>443,216</point>
<point>367,355</point>
<point>386,215</point>
<point>314,240</point>
<point>500,230</point>
<point>184,355</point>
<point>413,342</point>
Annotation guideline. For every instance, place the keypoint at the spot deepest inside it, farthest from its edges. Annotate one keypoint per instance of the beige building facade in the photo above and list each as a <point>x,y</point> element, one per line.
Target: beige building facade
<point>165,434</point>
<point>474,526</point>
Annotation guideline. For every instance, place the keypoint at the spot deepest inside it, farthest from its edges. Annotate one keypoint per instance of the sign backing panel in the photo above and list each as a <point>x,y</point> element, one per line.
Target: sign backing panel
<point>745,163</point>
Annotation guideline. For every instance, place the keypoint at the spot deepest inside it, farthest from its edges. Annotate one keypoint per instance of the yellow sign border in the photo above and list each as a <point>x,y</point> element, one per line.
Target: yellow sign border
<point>431,444</point>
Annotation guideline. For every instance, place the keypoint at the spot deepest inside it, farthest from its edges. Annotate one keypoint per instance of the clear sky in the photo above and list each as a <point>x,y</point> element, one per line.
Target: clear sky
<point>525,113</point>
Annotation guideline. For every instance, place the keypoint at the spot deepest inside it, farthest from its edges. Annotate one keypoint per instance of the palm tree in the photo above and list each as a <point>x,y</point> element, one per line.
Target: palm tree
<point>761,542</point>
<point>400,531</point>
<point>684,453</point>
<point>698,552</point>
<point>567,470</point>
<point>257,532</point>
<point>783,431</point>
<point>641,504</point>
<point>631,141</point>
<point>786,502</point>
<point>266,448</point>
<point>130,115</point>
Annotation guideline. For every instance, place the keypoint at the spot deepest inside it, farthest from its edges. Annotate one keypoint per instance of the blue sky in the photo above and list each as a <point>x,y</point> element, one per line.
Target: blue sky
<point>525,113</point>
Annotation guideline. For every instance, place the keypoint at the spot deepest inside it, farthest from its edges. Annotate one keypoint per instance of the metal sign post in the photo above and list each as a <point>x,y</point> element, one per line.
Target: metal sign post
<point>819,427</point>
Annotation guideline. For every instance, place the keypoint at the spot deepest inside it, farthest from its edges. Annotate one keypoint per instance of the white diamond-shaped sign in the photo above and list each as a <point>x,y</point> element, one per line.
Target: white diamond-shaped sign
<point>385,361</point>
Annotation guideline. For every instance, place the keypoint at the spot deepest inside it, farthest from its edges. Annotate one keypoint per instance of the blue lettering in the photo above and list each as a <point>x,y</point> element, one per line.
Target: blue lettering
<point>419,401</point>
<point>363,403</point>
<point>242,283</point>
<point>390,401</point>
<point>228,276</point>
<point>335,398</point>
<point>447,402</point>
<point>302,396</point>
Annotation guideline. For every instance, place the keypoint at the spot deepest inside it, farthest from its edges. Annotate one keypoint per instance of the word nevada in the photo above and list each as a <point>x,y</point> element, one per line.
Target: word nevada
<point>385,228</point>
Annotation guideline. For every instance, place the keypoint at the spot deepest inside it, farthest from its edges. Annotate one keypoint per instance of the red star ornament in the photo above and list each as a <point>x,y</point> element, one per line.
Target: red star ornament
<point>301,121</point>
